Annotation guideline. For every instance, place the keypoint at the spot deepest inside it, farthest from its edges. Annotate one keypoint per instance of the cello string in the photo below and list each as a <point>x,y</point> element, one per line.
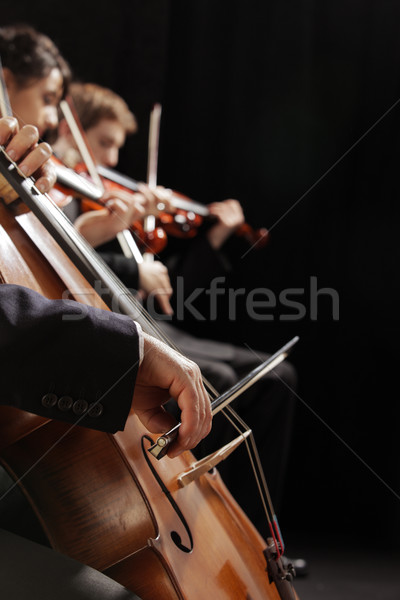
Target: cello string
<point>90,258</point>
<point>155,330</point>
<point>255,462</point>
<point>259,476</point>
<point>69,229</point>
<point>152,165</point>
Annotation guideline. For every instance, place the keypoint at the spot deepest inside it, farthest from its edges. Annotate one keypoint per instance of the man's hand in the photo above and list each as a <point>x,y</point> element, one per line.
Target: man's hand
<point>230,216</point>
<point>164,373</point>
<point>32,158</point>
<point>101,226</point>
<point>154,281</point>
<point>155,199</point>
<point>124,208</point>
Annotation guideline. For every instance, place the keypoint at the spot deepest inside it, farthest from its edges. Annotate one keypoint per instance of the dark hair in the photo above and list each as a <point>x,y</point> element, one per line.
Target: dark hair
<point>31,55</point>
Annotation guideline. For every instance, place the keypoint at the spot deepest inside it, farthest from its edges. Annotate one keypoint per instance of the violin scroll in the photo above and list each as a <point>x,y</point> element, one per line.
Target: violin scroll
<point>258,238</point>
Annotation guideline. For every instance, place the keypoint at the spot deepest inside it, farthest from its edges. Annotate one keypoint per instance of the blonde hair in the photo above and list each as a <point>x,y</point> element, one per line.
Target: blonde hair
<point>95,103</point>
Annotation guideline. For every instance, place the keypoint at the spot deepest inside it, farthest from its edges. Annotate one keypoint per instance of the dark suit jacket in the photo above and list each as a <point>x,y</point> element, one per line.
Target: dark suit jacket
<point>63,360</point>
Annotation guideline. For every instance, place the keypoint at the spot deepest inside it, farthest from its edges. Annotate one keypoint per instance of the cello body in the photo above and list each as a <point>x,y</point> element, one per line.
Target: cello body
<point>102,498</point>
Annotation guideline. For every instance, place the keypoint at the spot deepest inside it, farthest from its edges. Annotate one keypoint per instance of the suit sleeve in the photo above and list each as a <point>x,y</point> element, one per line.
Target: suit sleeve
<point>62,360</point>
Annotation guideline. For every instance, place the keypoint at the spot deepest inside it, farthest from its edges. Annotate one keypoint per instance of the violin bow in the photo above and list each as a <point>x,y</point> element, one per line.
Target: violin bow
<point>65,176</point>
<point>125,237</point>
<point>160,447</point>
<point>5,105</point>
<point>95,269</point>
<point>82,254</point>
<point>220,402</point>
<point>152,166</point>
<point>76,129</point>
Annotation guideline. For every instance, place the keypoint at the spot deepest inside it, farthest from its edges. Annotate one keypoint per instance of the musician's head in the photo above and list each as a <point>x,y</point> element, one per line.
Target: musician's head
<point>105,119</point>
<point>36,75</point>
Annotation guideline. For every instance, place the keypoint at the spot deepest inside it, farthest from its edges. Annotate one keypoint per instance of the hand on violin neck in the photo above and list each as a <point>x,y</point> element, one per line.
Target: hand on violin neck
<point>124,206</point>
<point>100,226</point>
<point>154,281</point>
<point>164,373</point>
<point>121,216</point>
<point>155,199</point>
<point>32,158</point>
<point>230,216</point>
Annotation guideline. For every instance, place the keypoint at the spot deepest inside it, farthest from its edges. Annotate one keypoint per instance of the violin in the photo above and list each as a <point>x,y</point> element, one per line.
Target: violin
<point>69,181</point>
<point>101,498</point>
<point>75,183</point>
<point>180,216</point>
<point>152,241</point>
<point>129,239</point>
<point>187,215</point>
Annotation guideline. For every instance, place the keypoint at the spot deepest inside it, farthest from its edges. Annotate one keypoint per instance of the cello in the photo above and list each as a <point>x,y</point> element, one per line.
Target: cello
<point>102,498</point>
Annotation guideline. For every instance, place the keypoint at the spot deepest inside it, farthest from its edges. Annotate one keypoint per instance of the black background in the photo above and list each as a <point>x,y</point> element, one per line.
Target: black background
<point>289,107</point>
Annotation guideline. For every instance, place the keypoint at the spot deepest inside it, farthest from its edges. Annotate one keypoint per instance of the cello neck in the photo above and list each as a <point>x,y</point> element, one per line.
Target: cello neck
<point>85,258</point>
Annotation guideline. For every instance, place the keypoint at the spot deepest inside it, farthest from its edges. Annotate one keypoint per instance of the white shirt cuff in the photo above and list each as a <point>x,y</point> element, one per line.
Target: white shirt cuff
<point>141,342</point>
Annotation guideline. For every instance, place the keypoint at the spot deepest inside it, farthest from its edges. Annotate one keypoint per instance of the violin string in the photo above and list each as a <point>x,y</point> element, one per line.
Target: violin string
<point>150,325</point>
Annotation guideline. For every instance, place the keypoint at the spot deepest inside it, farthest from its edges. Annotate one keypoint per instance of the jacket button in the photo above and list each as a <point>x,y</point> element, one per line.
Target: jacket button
<point>65,403</point>
<point>95,409</point>
<point>49,400</point>
<point>79,407</point>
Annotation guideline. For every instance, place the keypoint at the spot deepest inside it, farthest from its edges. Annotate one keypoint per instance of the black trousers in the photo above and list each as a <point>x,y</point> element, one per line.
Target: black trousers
<point>30,571</point>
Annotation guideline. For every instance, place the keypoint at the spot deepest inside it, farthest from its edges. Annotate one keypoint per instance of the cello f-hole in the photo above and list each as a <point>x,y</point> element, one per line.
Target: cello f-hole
<point>175,536</point>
